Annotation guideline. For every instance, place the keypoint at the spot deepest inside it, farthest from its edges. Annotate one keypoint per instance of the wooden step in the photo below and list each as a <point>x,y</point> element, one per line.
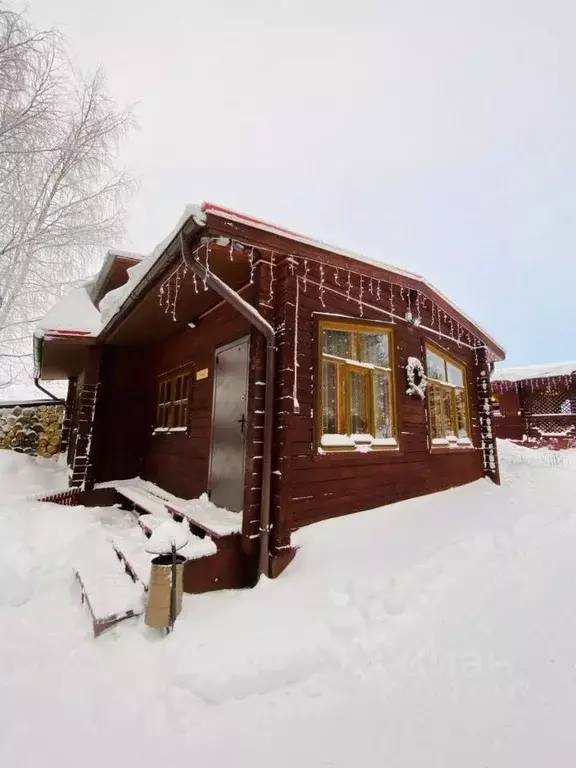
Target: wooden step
<point>143,500</point>
<point>149,523</point>
<point>107,589</point>
<point>130,546</point>
<point>213,520</point>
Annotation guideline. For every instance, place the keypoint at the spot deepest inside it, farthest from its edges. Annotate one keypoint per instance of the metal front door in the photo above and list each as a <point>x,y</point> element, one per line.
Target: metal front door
<point>226,484</point>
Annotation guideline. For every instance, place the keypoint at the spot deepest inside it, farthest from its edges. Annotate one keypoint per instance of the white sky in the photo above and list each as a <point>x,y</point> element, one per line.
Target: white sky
<point>438,136</point>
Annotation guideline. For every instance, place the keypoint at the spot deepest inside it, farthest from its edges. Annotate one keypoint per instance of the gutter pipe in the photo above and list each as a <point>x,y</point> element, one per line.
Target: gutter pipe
<point>254,318</point>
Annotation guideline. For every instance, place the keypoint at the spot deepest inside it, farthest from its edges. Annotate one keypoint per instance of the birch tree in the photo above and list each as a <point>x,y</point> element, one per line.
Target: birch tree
<point>62,196</point>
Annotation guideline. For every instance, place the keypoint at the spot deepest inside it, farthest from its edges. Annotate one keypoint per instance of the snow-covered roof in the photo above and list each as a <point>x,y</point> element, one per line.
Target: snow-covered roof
<point>230,215</point>
<point>73,315</point>
<point>112,301</point>
<point>541,371</point>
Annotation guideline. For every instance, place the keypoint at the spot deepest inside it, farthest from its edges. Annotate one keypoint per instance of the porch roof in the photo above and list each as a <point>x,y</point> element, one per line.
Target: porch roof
<point>539,371</point>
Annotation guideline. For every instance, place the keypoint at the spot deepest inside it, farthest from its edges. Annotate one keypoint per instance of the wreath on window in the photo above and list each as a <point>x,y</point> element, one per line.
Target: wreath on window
<point>417,380</point>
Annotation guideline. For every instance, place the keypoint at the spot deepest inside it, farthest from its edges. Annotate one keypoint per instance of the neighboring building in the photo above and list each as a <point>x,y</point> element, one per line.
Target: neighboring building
<point>278,374</point>
<point>536,404</point>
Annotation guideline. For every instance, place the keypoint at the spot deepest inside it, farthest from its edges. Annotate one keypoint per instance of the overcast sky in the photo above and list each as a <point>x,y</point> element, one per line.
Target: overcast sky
<point>437,136</point>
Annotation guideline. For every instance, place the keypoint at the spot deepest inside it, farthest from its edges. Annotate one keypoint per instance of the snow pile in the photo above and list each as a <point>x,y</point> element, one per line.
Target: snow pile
<point>26,476</point>
<point>112,301</point>
<point>73,314</point>
<point>434,632</point>
<point>542,371</point>
<point>168,534</point>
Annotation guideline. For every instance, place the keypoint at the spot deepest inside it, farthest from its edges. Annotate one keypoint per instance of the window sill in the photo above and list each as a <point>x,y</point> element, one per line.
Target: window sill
<point>452,448</point>
<point>359,449</point>
<point>168,430</point>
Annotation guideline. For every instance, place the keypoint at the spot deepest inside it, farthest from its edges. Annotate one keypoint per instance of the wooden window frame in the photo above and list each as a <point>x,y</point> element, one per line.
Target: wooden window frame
<point>445,443</point>
<point>172,412</point>
<point>343,390</point>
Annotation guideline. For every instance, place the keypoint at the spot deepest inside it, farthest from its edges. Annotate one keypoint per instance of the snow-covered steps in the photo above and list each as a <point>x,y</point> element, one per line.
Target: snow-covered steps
<point>107,589</point>
<point>149,523</point>
<point>130,546</point>
<point>202,514</point>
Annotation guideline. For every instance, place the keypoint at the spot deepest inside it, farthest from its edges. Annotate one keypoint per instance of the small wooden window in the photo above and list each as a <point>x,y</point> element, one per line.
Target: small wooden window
<point>173,399</point>
<point>448,415</point>
<point>356,386</point>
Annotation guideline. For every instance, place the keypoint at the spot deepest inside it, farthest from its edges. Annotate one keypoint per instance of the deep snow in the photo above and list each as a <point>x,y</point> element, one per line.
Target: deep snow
<point>435,632</point>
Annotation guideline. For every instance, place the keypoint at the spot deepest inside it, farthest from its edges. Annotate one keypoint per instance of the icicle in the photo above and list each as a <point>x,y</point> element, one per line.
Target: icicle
<point>176,292</point>
<point>337,276</point>
<point>167,307</point>
<point>348,287</point>
<point>271,292</point>
<point>251,262</point>
<point>305,274</point>
<point>195,281</point>
<point>160,295</point>
<point>207,266</point>
<point>392,301</point>
<point>291,262</point>
<point>408,313</point>
<point>439,323</point>
<point>378,290</point>
<point>322,285</point>
<point>418,317</point>
<point>361,294</point>
<point>371,288</point>
<point>231,250</point>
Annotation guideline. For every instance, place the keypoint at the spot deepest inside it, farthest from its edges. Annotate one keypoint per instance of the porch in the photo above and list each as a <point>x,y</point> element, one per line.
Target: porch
<point>114,568</point>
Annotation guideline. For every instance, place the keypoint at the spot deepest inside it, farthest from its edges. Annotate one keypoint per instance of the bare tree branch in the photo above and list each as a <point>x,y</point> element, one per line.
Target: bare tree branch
<point>62,196</point>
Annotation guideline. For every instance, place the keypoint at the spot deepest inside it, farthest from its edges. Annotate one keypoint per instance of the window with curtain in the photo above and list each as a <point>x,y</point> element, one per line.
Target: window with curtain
<point>172,405</point>
<point>448,415</point>
<point>356,386</point>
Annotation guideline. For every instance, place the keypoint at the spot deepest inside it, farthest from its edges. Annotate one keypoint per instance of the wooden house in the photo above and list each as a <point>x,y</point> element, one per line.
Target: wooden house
<point>289,380</point>
<point>536,404</point>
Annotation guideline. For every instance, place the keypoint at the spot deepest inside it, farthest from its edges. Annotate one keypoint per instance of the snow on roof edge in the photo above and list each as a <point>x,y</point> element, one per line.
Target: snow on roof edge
<point>240,218</point>
<point>537,371</point>
<point>111,304</point>
<point>73,315</point>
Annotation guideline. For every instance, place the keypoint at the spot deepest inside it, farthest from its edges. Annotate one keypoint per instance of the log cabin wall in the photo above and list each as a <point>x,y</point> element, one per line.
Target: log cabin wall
<point>317,484</point>
<point>508,418</point>
<point>542,409</point>
<point>179,461</point>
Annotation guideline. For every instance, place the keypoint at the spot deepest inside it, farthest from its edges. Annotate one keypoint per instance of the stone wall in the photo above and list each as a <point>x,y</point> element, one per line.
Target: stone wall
<point>32,429</point>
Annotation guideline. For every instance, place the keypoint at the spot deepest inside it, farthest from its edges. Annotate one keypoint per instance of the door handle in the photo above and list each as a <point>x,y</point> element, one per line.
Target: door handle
<point>242,422</point>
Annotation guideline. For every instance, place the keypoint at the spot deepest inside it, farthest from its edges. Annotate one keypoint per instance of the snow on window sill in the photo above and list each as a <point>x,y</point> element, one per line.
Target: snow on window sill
<point>360,443</point>
<point>166,430</point>
<point>451,442</point>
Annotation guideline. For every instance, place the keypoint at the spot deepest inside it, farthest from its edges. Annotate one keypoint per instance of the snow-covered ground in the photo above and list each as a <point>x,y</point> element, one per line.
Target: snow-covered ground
<point>436,632</point>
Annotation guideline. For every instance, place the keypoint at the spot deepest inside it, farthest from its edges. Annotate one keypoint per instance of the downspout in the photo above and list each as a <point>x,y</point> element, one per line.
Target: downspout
<point>255,318</point>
